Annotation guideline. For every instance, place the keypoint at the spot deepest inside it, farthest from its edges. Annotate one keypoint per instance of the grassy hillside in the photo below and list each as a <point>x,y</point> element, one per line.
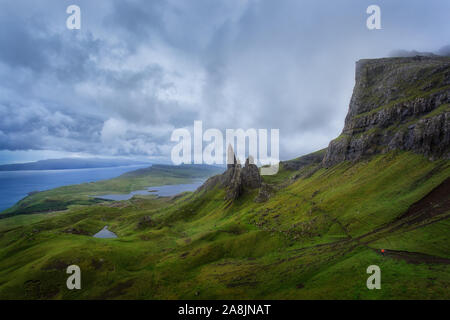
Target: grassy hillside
<point>314,238</point>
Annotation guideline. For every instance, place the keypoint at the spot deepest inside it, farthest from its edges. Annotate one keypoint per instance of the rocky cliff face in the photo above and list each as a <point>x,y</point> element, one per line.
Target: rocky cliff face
<point>236,179</point>
<point>397,104</point>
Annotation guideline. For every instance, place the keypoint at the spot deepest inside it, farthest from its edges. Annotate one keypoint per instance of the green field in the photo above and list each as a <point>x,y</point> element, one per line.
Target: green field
<point>313,239</point>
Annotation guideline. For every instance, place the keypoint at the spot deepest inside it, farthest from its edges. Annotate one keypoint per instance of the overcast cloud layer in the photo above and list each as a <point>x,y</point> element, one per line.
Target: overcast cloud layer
<point>138,69</point>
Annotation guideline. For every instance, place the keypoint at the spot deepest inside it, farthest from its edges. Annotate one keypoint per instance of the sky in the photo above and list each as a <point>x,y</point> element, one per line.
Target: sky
<point>138,69</point>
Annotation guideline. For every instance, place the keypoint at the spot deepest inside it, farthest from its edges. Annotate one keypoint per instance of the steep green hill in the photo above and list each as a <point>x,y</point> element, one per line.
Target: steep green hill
<point>309,232</point>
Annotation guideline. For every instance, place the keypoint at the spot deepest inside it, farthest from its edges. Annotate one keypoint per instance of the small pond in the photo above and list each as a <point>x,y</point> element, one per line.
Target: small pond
<point>105,234</point>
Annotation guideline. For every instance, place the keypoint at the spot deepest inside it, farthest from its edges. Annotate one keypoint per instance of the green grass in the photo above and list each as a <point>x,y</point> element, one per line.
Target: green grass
<point>433,239</point>
<point>301,244</point>
<point>427,81</point>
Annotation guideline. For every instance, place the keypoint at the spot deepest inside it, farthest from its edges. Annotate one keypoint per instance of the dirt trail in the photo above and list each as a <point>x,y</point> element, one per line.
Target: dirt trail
<point>434,203</point>
<point>413,257</point>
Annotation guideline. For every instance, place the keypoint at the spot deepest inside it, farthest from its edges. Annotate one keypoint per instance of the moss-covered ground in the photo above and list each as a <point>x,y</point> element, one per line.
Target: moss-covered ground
<point>313,239</point>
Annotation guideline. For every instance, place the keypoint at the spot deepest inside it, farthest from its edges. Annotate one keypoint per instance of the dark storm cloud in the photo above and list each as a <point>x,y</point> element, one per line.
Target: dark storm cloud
<point>138,69</point>
<point>136,20</point>
<point>35,127</point>
<point>30,45</point>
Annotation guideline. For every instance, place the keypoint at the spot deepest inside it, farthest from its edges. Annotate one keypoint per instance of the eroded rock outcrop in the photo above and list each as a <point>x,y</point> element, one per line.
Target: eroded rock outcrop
<point>236,179</point>
<point>397,104</point>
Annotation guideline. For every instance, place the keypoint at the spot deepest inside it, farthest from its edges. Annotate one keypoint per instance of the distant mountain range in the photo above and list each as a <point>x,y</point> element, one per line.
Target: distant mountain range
<point>70,163</point>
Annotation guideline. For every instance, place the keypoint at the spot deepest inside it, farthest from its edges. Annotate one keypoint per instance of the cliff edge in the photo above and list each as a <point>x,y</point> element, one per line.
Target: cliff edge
<point>397,104</point>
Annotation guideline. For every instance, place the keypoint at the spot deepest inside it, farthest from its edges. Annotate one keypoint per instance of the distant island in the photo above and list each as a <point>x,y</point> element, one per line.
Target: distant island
<point>71,163</point>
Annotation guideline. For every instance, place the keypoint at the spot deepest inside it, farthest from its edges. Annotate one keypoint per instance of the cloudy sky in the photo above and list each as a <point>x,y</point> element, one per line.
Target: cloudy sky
<point>138,69</point>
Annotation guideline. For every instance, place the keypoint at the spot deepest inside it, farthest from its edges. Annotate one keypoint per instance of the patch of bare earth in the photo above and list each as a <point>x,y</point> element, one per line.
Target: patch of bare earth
<point>413,257</point>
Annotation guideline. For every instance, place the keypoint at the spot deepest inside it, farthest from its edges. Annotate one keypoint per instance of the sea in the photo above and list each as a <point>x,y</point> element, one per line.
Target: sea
<point>15,185</point>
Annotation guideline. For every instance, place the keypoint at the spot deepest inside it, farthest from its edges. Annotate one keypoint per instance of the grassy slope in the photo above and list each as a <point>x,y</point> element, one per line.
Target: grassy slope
<point>61,198</point>
<point>313,239</point>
